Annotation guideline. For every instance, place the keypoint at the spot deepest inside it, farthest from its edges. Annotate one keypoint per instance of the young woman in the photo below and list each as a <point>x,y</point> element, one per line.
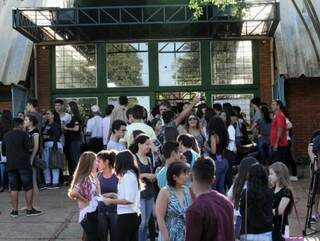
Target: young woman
<point>142,146</point>
<point>85,189</point>
<point>230,152</point>
<point>264,126</point>
<point>156,124</point>
<point>31,122</point>
<point>51,137</point>
<point>234,193</point>
<point>5,126</point>
<point>172,203</point>
<point>256,206</point>
<point>217,144</point>
<point>282,199</point>
<point>107,215</point>
<point>128,200</point>
<point>193,128</point>
<point>73,136</point>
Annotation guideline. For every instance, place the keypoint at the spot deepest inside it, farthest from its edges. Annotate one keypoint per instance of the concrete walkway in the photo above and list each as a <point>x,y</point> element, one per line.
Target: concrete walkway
<point>59,221</point>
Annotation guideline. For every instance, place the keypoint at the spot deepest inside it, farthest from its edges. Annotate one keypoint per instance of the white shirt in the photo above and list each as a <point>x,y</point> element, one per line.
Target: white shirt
<point>147,130</point>
<point>106,126</point>
<point>94,126</point>
<point>128,190</point>
<point>65,119</point>
<point>232,139</point>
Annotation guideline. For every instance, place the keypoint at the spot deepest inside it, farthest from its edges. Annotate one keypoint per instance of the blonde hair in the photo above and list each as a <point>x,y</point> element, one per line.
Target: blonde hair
<point>282,172</point>
<point>84,168</point>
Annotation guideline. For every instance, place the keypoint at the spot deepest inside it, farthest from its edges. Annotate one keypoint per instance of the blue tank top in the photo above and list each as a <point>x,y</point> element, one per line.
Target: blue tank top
<point>108,185</point>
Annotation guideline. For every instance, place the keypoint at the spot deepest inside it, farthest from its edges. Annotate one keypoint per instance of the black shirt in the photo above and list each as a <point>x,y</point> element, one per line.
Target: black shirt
<point>16,147</point>
<point>35,131</point>
<point>52,132</point>
<point>259,213</point>
<point>278,220</point>
<point>73,135</point>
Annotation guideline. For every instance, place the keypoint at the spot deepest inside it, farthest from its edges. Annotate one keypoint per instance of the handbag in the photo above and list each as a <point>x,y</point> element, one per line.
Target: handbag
<point>55,157</point>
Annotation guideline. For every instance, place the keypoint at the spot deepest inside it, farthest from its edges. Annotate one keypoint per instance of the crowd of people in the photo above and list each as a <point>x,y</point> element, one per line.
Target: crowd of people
<point>188,172</point>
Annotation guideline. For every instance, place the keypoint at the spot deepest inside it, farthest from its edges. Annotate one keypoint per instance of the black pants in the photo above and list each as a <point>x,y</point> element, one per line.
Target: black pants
<point>107,225</point>
<point>128,227</point>
<point>231,157</point>
<point>290,159</point>
<point>90,226</point>
<point>280,155</point>
<point>95,144</point>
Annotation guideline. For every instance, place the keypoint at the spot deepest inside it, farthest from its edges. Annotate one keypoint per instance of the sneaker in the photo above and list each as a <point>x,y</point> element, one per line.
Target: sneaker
<point>33,212</point>
<point>314,219</point>
<point>54,186</point>
<point>44,186</point>
<point>294,178</point>
<point>14,213</point>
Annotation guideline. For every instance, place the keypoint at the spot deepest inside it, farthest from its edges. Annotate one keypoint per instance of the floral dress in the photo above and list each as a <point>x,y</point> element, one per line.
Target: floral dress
<point>175,216</point>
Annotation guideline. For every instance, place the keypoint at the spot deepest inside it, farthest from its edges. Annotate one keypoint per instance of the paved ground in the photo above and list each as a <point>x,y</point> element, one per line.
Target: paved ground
<point>59,221</point>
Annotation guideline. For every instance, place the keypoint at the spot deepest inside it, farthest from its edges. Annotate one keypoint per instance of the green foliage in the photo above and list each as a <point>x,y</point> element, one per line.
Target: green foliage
<point>236,6</point>
<point>124,67</point>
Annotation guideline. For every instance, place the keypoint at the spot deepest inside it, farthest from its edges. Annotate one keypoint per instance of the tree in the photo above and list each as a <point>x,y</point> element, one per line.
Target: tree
<point>124,66</point>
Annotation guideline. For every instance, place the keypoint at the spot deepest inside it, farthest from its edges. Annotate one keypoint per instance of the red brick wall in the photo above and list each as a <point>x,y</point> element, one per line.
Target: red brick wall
<point>265,71</point>
<point>5,105</point>
<point>43,80</point>
<point>303,98</point>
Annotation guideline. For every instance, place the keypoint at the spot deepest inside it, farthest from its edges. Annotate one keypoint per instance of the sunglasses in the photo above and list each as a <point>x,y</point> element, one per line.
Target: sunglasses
<point>190,119</point>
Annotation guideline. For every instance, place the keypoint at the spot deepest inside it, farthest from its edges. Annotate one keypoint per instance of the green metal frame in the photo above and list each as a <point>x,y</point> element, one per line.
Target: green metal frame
<point>102,92</point>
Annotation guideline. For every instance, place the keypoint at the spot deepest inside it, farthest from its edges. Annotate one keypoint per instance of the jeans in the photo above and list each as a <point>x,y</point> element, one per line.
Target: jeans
<point>221,170</point>
<point>230,156</point>
<point>264,150</point>
<point>3,171</point>
<point>47,171</point>
<point>146,207</point>
<point>90,226</point>
<point>107,224</point>
<point>257,237</point>
<point>74,152</point>
<point>128,226</point>
<point>280,155</point>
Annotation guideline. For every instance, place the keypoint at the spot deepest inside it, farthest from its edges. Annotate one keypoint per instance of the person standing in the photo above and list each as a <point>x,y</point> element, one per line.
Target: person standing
<point>210,216</point>
<point>172,203</point>
<point>120,111</point>
<point>16,147</point>
<point>73,135</point>
<point>106,125</point>
<point>278,133</point>
<point>94,130</point>
<point>51,138</point>
<point>31,108</point>
<point>118,129</point>
<point>30,123</point>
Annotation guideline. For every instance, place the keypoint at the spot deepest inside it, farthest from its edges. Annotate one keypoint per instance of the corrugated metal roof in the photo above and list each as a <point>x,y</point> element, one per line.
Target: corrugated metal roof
<point>295,52</point>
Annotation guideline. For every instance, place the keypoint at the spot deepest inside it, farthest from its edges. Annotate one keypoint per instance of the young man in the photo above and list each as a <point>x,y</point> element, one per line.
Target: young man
<point>118,131</point>
<point>16,147</point>
<point>278,133</point>
<point>170,152</point>
<point>120,111</point>
<point>185,144</point>
<point>31,108</point>
<point>65,118</point>
<point>138,124</point>
<point>95,130</point>
<point>210,216</point>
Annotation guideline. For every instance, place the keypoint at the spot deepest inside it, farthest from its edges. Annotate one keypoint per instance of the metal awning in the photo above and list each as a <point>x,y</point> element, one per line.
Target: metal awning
<point>148,22</point>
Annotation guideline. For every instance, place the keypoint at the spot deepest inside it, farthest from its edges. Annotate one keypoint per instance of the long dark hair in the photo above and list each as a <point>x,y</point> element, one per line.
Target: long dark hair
<point>241,178</point>
<point>258,182</point>
<point>125,162</point>
<point>198,122</point>
<point>265,111</point>
<point>140,139</point>
<point>6,121</point>
<point>74,109</point>
<point>216,126</point>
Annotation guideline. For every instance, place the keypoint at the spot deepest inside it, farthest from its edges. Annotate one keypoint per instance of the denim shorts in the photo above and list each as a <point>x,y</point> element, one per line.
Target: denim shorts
<point>257,237</point>
<point>20,178</point>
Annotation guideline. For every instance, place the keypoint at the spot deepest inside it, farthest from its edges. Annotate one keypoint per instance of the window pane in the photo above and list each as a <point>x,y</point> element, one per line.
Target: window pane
<point>133,100</point>
<point>76,66</point>
<point>241,100</point>
<point>231,62</point>
<point>127,65</point>
<point>176,97</point>
<point>179,63</point>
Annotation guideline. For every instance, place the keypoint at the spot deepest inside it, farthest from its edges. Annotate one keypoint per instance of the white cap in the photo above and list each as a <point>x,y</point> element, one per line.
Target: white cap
<point>95,109</point>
